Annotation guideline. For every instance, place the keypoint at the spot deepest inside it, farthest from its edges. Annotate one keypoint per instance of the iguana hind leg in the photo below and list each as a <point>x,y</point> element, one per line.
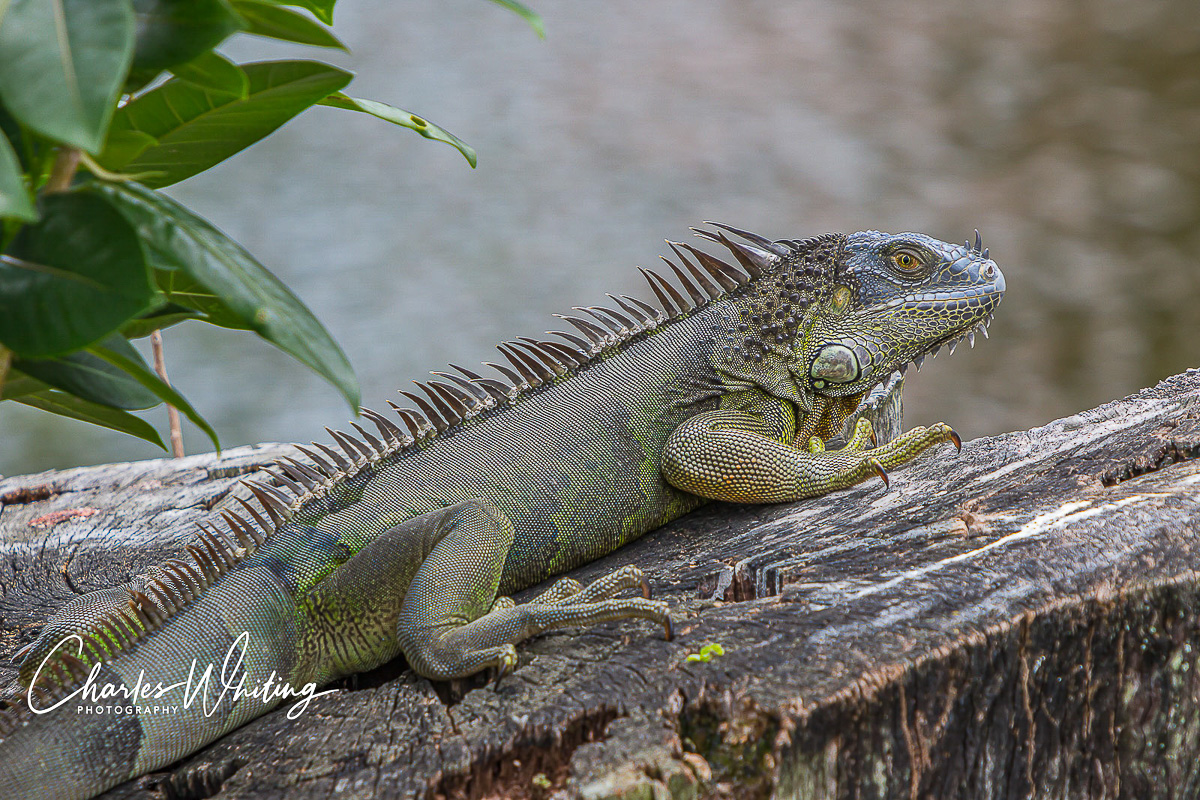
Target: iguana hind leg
<point>447,564</point>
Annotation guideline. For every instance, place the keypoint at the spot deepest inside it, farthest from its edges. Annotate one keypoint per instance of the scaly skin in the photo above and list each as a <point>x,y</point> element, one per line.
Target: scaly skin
<point>408,543</point>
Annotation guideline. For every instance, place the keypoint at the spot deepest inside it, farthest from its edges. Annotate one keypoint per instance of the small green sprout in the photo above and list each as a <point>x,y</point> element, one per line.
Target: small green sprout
<point>706,653</point>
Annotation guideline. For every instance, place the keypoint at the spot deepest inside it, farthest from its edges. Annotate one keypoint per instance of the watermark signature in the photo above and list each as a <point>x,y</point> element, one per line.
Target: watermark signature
<point>234,683</point>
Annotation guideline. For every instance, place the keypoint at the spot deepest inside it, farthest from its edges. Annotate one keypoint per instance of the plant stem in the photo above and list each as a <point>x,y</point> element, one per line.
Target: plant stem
<point>5,363</point>
<point>160,366</point>
<point>65,164</point>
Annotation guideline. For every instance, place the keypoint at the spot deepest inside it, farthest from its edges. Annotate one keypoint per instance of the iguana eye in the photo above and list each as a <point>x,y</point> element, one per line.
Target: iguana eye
<point>906,261</point>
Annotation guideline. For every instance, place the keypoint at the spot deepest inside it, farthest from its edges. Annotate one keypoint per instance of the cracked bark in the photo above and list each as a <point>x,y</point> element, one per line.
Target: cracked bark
<point>1019,620</point>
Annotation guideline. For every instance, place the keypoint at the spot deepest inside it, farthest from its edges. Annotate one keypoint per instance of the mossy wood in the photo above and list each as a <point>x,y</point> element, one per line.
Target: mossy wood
<point>1021,620</point>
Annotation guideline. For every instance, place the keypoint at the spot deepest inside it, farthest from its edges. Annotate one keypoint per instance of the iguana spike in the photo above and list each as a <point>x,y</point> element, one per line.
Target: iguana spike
<point>76,666</point>
<point>339,460</point>
<point>165,596</point>
<point>301,477</point>
<point>598,336</point>
<point>149,614</point>
<point>179,582</point>
<point>350,446</point>
<point>985,252</point>
<point>527,372</point>
<point>287,482</point>
<point>447,401</point>
<point>266,529</point>
<point>560,356</point>
<point>326,468</point>
<point>654,315</point>
<point>371,441</point>
<point>449,413</point>
<point>766,244</point>
<point>471,375</point>
<point>611,326</point>
<point>208,570</point>
<point>543,371</point>
<point>275,507</point>
<point>477,392</point>
<point>282,499</point>
<point>296,466</point>
<point>546,363</point>
<point>227,542</point>
<point>639,317</point>
<point>412,420</point>
<point>467,398</point>
<point>752,259</point>
<point>567,355</point>
<point>709,287</point>
<point>387,429</point>
<point>698,299</point>
<point>217,548</point>
<point>978,242</point>
<point>626,323</point>
<point>585,347</point>
<point>432,416</point>
<point>187,577</point>
<point>513,378</point>
<point>670,307</point>
<point>244,532</point>
<point>726,274</point>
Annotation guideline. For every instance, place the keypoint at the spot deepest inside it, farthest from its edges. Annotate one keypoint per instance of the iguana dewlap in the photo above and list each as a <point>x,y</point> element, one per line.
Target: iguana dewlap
<point>407,540</point>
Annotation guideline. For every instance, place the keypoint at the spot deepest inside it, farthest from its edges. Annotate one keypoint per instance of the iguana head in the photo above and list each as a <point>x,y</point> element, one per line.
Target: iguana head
<point>892,299</point>
<point>836,314</point>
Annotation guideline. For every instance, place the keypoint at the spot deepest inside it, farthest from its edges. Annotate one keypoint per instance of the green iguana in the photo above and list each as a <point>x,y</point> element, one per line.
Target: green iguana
<point>408,540</point>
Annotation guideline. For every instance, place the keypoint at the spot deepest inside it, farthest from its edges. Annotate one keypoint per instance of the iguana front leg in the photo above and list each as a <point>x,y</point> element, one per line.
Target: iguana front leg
<point>428,587</point>
<point>752,456</point>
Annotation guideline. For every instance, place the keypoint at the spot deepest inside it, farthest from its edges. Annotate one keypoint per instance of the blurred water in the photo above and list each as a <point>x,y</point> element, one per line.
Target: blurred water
<point>1068,133</point>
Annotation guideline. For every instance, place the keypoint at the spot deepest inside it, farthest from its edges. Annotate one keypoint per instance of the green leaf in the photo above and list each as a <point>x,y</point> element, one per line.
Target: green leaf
<point>14,198</point>
<point>137,370</point>
<point>401,117</point>
<point>66,405</point>
<point>527,14</point>
<point>215,74</point>
<point>17,384</point>
<point>126,145</point>
<point>62,65</point>
<point>275,22</point>
<point>163,317</point>
<point>90,378</point>
<point>218,277</point>
<point>197,129</point>
<point>171,32</point>
<point>72,278</point>
<point>321,9</point>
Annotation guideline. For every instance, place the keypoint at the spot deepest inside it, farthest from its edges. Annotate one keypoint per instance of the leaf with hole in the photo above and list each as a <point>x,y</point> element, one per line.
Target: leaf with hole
<point>195,129</point>
<point>72,278</point>
<point>62,65</point>
<point>399,116</point>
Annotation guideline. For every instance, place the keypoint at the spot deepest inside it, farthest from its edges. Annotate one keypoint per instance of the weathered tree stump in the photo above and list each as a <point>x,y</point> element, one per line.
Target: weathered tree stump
<point>1022,619</point>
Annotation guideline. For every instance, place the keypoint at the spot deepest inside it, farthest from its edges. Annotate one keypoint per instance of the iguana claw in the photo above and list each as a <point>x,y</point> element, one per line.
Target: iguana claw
<point>668,630</point>
<point>880,471</point>
<point>954,437</point>
<point>646,588</point>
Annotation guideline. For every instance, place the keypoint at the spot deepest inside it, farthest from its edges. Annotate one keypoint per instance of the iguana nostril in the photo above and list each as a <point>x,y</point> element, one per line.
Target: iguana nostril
<point>989,271</point>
